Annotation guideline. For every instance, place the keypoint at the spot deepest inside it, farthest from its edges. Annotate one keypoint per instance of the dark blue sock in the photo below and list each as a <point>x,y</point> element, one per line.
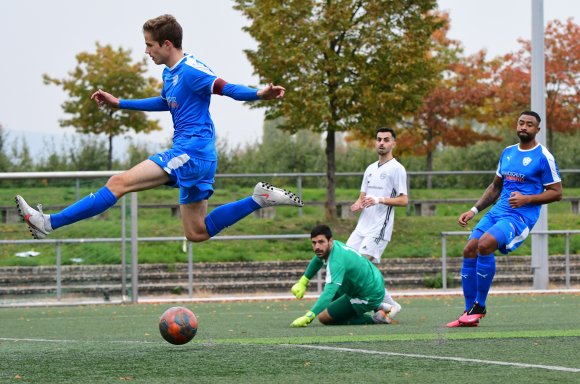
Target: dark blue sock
<point>228,214</point>
<point>485,273</point>
<point>86,207</point>
<point>469,281</point>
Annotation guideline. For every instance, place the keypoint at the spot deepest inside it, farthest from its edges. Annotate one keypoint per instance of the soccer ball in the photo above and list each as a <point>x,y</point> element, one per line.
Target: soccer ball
<point>178,325</point>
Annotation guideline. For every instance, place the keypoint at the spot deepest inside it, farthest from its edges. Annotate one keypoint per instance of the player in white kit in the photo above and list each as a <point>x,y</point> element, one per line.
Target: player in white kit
<point>383,188</point>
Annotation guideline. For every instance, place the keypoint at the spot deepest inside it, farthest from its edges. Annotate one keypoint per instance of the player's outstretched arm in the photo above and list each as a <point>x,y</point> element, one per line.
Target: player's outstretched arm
<point>243,93</point>
<point>103,98</point>
<point>271,92</point>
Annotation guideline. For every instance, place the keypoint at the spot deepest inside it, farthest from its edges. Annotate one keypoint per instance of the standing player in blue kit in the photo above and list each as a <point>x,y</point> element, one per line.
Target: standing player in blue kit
<point>527,177</point>
<point>190,164</point>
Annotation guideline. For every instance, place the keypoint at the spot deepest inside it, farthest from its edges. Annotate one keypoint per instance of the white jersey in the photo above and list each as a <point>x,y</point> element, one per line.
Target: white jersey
<point>388,180</point>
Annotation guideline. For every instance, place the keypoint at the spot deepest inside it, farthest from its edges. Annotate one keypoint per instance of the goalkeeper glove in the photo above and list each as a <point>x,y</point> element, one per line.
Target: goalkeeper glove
<point>304,320</point>
<point>299,289</point>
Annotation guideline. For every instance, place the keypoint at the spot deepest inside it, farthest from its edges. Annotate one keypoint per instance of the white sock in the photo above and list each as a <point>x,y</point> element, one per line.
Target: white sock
<point>388,299</point>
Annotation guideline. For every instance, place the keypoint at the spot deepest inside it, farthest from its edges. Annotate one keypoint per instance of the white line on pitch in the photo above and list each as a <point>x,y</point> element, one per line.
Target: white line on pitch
<point>460,359</point>
<point>77,341</point>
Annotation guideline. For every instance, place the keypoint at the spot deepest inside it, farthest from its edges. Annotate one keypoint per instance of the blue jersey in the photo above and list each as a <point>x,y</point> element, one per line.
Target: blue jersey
<point>527,172</point>
<point>187,90</point>
<point>186,93</point>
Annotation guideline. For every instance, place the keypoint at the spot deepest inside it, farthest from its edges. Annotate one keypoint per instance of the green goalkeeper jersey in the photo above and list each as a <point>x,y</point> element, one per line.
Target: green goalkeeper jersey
<point>352,273</point>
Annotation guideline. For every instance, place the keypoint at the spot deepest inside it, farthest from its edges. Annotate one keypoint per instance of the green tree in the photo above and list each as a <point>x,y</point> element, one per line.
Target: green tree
<point>113,71</point>
<point>279,152</point>
<point>53,158</point>
<point>346,64</point>
<point>5,163</point>
<point>283,151</point>
<point>136,152</point>
<point>88,153</point>
<point>21,158</point>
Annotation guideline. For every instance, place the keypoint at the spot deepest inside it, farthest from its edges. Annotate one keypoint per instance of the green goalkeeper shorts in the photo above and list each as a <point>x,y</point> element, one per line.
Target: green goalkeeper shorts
<point>345,308</point>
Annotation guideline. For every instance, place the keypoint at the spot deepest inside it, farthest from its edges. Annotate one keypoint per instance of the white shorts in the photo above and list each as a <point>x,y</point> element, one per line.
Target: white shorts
<point>368,246</point>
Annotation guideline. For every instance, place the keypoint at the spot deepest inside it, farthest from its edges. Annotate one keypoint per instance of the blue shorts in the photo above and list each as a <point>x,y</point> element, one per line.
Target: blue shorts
<point>509,229</point>
<point>194,177</point>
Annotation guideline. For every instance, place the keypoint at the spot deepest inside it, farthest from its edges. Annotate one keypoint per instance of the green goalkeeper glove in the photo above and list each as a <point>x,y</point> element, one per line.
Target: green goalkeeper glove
<point>299,289</point>
<point>304,320</point>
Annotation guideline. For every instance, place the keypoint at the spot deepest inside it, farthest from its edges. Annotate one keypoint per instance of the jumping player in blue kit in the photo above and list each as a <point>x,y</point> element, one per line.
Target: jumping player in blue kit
<point>190,164</point>
<point>527,177</point>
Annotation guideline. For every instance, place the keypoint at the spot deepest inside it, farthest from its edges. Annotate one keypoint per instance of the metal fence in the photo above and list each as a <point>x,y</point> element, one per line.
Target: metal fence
<point>566,233</point>
<point>134,240</point>
<point>77,176</point>
<point>133,297</point>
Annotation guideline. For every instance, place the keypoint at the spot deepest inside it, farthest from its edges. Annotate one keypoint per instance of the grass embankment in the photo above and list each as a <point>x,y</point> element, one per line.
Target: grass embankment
<point>414,236</point>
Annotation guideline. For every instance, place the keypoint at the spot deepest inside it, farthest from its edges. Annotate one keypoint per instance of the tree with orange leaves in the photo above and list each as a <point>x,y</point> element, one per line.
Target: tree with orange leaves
<point>450,113</point>
<point>511,76</point>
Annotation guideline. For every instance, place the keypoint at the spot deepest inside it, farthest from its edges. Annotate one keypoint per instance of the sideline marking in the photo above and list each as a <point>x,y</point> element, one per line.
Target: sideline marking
<point>79,341</point>
<point>272,297</point>
<point>459,359</point>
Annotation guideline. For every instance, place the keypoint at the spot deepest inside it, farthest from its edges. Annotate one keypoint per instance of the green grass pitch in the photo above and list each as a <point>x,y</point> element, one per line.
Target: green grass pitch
<point>524,339</point>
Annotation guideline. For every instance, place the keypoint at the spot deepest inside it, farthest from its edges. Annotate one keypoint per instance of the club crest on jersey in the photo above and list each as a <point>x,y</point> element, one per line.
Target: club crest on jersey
<point>383,176</point>
<point>526,161</point>
<point>175,80</point>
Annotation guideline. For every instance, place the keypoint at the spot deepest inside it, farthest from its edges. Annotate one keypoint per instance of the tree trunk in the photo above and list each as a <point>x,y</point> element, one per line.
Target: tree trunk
<point>110,162</point>
<point>429,169</point>
<point>330,206</point>
<point>550,143</point>
<point>429,158</point>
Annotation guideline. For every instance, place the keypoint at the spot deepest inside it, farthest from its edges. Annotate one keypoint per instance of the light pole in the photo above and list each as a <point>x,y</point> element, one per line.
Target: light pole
<point>539,241</point>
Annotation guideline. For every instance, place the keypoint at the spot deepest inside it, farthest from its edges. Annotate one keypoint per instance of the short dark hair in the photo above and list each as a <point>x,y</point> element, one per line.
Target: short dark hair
<point>385,129</point>
<point>321,229</point>
<point>534,114</point>
<point>164,27</point>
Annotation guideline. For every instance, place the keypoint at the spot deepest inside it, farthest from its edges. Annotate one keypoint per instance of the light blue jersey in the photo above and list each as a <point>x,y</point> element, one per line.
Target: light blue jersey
<point>527,172</point>
<point>186,93</point>
<point>187,90</point>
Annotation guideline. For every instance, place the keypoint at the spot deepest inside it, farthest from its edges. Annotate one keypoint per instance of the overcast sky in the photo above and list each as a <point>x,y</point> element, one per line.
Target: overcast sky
<point>42,36</point>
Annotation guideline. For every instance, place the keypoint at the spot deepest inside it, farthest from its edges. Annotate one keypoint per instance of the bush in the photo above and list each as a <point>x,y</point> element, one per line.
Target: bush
<point>436,281</point>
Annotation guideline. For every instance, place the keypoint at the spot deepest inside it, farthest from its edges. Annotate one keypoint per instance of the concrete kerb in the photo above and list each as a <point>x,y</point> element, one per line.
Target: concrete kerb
<point>272,297</point>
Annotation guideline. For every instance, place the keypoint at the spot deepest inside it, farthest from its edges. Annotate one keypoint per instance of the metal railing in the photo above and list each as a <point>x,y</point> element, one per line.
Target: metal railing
<point>299,176</point>
<point>566,233</point>
<point>134,271</point>
<point>134,239</point>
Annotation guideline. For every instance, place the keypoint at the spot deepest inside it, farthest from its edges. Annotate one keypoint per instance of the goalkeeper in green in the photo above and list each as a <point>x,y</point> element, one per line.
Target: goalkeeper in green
<point>354,286</point>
